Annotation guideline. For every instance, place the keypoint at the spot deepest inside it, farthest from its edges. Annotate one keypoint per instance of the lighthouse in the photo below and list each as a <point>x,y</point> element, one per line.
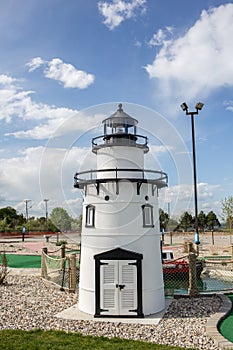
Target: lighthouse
<point>121,268</point>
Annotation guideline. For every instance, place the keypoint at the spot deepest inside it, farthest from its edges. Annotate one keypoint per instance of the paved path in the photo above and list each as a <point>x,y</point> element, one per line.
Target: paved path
<point>34,246</point>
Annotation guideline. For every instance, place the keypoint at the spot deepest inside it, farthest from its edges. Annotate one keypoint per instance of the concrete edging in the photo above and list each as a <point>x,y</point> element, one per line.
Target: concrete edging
<point>214,321</point>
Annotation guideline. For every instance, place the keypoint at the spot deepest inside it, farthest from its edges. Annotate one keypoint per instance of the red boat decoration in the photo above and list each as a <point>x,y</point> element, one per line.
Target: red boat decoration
<point>179,267</point>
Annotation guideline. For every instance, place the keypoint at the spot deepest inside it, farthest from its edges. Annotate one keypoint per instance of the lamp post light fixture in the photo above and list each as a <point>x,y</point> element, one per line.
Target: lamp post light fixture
<point>198,107</point>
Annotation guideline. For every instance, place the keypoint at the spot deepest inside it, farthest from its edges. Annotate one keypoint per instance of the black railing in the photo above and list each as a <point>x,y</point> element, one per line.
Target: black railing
<point>140,141</point>
<point>117,174</point>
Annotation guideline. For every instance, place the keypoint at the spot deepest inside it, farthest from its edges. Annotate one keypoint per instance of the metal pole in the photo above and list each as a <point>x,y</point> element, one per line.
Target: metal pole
<point>195,181</point>
<point>199,107</point>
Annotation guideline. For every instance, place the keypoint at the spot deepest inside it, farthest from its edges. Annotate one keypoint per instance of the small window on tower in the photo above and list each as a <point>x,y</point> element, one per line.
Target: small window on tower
<point>147,215</point>
<point>90,216</point>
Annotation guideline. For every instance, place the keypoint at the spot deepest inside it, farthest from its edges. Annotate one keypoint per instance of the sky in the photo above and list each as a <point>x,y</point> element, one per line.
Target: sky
<point>66,65</point>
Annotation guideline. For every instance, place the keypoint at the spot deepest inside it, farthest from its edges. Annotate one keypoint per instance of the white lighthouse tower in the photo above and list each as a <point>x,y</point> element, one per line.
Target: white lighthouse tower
<point>121,268</point>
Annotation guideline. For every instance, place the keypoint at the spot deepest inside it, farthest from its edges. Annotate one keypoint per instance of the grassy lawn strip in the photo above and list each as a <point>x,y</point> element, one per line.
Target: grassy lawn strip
<point>59,340</point>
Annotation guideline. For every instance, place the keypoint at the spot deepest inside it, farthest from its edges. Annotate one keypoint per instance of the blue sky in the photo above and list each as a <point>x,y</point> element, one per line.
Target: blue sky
<point>65,66</point>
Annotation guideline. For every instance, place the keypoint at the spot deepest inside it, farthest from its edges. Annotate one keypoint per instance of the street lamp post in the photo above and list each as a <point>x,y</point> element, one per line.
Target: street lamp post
<point>26,204</point>
<point>46,212</point>
<point>27,217</point>
<point>198,107</point>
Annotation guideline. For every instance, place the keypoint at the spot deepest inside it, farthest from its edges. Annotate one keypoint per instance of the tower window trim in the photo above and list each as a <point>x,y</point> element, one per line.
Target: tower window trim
<point>147,215</point>
<point>90,216</point>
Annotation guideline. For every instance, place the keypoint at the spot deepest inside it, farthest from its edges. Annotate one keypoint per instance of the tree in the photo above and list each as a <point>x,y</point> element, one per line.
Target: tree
<point>186,220</point>
<point>76,224</point>
<point>212,220</point>
<point>227,210</point>
<point>9,219</point>
<point>202,220</point>
<point>8,212</point>
<point>163,219</point>
<point>61,219</point>
<point>172,224</point>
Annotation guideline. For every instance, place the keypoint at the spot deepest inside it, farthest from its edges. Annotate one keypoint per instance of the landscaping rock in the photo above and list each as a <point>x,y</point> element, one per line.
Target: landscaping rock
<point>29,302</point>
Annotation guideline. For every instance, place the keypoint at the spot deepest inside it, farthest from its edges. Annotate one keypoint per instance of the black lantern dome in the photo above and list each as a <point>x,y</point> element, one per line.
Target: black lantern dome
<point>120,129</point>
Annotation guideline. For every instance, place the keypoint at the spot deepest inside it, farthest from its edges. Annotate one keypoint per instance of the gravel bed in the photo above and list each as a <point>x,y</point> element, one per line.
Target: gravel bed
<point>29,302</point>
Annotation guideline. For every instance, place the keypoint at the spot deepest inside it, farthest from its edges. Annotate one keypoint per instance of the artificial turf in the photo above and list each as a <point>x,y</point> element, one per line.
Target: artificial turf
<point>226,326</point>
<point>23,261</point>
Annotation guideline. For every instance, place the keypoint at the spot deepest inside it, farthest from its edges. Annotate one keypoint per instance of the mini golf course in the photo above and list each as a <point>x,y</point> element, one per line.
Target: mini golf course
<point>34,261</point>
<point>226,326</point>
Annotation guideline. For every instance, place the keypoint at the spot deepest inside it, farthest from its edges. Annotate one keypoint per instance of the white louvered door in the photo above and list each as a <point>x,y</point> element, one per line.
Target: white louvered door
<point>118,287</point>
<point>127,294</point>
<point>108,291</point>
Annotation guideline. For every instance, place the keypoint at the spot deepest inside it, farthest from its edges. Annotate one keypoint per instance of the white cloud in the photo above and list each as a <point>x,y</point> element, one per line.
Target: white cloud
<point>118,11</point>
<point>181,197</point>
<point>200,61</point>
<point>205,191</point>
<point>5,80</point>
<point>15,102</point>
<point>65,122</point>
<point>228,105</point>
<point>41,131</point>
<point>138,43</point>
<point>65,73</point>
<point>57,168</point>
<point>42,172</point>
<point>68,75</point>
<point>35,63</point>
<point>50,120</point>
<point>160,36</point>
<point>19,175</point>
<point>184,191</point>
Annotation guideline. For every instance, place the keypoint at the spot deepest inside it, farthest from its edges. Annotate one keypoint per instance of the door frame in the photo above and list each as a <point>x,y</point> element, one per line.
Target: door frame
<point>118,254</point>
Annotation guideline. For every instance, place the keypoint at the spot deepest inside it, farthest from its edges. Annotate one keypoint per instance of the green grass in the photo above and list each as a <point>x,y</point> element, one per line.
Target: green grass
<point>59,340</point>
<point>226,326</point>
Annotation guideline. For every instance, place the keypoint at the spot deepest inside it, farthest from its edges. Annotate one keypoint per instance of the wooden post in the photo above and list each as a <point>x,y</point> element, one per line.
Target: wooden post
<point>193,290</point>
<point>63,254</point>
<point>212,233</point>
<point>190,247</point>
<point>63,265</point>
<point>44,272</point>
<point>72,263</point>
<point>63,250</point>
